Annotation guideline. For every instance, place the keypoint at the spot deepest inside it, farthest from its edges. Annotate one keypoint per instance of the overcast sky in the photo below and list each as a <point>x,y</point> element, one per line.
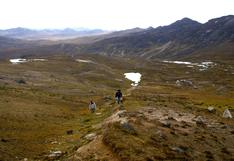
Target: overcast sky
<point>107,14</point>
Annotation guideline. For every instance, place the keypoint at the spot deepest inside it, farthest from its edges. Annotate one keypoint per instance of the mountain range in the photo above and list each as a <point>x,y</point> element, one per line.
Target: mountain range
<point>51,34</point>
<point>183,39</point>
<point>180,39</point>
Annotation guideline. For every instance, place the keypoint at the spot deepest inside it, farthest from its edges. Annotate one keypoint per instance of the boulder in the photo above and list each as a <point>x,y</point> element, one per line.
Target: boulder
<point>55,154</point>
<point>177,149</point>
<point>20,81</point>
<point>184,82</point>
<point>211,109</point>
<point>227,114</point>
<point>128,128</point>
<point>90,136</point>
<point>69,132</point>
<point>4,140</point>
<point>166,124</point>
<point>200,121</point>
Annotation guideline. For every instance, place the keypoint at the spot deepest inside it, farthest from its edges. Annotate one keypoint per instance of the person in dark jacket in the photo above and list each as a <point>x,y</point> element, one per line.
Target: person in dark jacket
<point>119,96</point>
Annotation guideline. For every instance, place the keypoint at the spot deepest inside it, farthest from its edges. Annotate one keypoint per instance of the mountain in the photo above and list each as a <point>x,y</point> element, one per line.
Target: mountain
<point>54,34</point>
<point>180,39</point>
<point>183,39</point>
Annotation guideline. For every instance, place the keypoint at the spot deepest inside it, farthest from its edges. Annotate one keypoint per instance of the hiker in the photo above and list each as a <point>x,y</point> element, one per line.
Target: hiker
<point>119,96</point>
<point>92,106</point>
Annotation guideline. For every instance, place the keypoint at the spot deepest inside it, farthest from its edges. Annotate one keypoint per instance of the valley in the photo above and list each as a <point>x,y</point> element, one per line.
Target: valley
<point>42,100</point>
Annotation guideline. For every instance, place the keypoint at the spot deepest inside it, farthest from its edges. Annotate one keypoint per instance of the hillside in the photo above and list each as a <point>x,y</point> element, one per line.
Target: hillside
<point>42,100</point>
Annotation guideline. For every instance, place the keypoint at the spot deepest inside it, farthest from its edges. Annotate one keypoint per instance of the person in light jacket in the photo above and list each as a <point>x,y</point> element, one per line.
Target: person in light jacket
<point>92,106</point>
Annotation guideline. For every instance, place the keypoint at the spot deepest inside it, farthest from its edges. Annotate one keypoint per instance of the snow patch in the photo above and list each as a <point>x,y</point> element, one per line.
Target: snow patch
<point>203,65</point>
<point>178,62</point>
<point>84,61</point>
<point>135,77</point>
<point>37,60</point>
<point>19,60</point>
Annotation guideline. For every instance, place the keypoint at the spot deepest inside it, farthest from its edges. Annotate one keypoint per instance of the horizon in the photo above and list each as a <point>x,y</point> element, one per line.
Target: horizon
<point>107,14</point>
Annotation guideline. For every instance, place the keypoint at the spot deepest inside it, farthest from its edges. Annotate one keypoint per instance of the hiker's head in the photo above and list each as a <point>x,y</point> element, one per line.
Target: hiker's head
<point>91,101</point>
<point>119,90</point>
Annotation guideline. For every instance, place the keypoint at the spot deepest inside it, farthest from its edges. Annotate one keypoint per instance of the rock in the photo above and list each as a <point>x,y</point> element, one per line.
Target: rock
<point>98,113</point>
<point>92,91</point>
<point>177,149</point>
<point>122,114</point>
<point>173,133</point>
<point>159,134</point>
<point>4,140</point>
<point>166,124</point>
<point>227,114</point>
<point>121,107</point>
<point>209,155</point>
<point>170,118</point>
<point>69,132</point>
<point>200,121</point>
<point>107,98</point>
<point>211,109</point>
<point>55,154</point>
<point>128,128</point>
<point>90,136</point>
<point>116,117</point>
<point>54,142</point>
<point>184,82</point>
<point>224,127</point>
<point>20,81</point>
<point>150,111</point>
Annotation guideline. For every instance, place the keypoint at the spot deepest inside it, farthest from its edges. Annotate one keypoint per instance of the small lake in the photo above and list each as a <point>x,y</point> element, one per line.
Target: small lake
<point>135,77</point>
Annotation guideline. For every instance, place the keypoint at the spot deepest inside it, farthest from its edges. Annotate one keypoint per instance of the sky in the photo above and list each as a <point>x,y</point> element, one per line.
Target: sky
<point>107,14</point>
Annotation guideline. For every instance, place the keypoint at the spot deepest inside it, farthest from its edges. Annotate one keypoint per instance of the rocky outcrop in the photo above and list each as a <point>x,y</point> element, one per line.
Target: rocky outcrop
<point>160,134</point>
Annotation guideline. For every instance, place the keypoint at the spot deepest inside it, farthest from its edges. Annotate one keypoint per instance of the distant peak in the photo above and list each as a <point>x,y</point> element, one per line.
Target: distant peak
<point>185,21</point>
<point>150,28</point>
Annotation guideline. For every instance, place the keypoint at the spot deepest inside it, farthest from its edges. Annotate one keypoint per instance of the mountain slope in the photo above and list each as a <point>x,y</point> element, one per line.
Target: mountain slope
<point>174,41</point>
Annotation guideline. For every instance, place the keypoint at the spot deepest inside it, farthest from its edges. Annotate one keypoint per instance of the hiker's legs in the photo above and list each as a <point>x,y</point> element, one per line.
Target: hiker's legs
<point>117,100</point>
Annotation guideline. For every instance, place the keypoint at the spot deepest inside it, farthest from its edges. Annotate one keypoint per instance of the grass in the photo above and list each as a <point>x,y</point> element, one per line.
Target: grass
<point>35,115</point>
